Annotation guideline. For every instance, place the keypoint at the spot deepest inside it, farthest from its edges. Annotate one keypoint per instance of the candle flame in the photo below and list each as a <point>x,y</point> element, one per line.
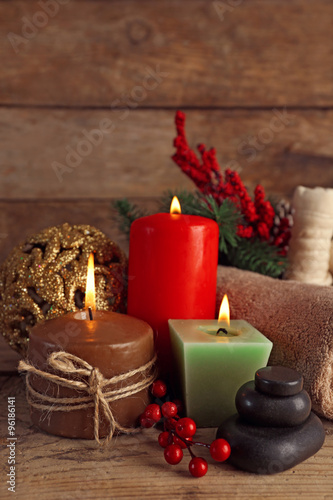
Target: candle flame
<point>175,206</point>
<point>224,314</point>
<point>90,287</point>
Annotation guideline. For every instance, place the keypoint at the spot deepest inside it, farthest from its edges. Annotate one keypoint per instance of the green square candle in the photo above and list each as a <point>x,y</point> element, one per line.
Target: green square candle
<point>211,368</point>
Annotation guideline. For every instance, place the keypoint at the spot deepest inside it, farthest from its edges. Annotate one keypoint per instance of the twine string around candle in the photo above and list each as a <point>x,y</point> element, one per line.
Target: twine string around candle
<point>90,381</point>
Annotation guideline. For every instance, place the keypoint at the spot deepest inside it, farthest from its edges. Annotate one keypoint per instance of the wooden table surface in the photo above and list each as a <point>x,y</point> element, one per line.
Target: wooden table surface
<point>50,467</point>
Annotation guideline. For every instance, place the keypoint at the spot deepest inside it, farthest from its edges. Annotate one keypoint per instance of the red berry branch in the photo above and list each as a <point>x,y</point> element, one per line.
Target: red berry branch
<point>258,215</point>
<point>178,433</point>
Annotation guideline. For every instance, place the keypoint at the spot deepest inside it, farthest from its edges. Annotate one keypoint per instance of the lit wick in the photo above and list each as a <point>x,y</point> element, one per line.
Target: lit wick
<point>90,288</point>
<point>224,315</point>
<point>175,207</point>
<point>90,314</point>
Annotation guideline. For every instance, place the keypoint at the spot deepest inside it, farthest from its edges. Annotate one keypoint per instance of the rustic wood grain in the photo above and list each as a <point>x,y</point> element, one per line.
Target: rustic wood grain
<point>20,219</point>
<point>134,159</point>
<point>256,53</point>
<point>133,467</point>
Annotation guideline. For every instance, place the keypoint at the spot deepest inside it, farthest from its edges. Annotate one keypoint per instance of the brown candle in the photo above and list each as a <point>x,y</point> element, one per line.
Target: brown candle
<point>114,343</point>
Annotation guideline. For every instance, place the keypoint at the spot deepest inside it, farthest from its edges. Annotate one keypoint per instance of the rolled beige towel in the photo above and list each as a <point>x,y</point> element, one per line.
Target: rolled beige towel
<point>311,236</point>
<point>296,317</point>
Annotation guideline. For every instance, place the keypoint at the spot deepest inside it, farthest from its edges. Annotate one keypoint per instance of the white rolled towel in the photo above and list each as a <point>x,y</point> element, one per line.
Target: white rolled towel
<point>311,239</point>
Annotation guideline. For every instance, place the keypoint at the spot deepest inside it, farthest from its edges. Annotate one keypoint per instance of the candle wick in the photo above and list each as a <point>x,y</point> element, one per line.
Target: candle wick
<point>223,330</point>
<point>90,314</point>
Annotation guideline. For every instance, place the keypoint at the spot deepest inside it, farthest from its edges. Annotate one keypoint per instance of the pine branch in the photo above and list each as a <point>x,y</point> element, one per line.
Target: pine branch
<point>257,256</point>
<point>226,215</point>
<point>251,254</point>
<point>126,213</point>
<point>188,201</point>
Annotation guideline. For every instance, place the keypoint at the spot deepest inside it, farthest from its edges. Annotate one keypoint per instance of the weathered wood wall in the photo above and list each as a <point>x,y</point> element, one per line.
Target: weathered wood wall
<point>255,77</point>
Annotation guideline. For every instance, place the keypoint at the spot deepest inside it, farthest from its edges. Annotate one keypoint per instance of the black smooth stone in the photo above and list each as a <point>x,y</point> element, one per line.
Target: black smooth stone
<point>269,450</point>
<point>278,381</point>
<point>275,411</point>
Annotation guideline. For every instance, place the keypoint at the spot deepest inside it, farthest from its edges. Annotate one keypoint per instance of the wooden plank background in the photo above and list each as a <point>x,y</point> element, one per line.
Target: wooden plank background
<point>255,77</point>
<point>280,148</point>
<point>256,53</point>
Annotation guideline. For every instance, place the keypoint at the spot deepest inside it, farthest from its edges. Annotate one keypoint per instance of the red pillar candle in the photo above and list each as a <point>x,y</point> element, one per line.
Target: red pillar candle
<point>172,273</point>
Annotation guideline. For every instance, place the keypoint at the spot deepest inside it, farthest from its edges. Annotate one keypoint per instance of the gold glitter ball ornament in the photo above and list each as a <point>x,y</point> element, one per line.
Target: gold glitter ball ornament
<point>45,276</point>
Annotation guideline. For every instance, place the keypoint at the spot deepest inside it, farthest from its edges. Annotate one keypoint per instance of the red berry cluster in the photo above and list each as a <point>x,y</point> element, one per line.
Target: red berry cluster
<point>178,433</point>
<point>258,215</point>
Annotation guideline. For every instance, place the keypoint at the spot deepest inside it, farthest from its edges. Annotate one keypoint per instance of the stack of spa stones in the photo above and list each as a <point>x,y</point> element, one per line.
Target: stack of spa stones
<point>274,429</point>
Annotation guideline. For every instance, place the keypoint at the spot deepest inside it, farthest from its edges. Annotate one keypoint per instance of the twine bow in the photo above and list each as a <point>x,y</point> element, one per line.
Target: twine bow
<point>89,380</point>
